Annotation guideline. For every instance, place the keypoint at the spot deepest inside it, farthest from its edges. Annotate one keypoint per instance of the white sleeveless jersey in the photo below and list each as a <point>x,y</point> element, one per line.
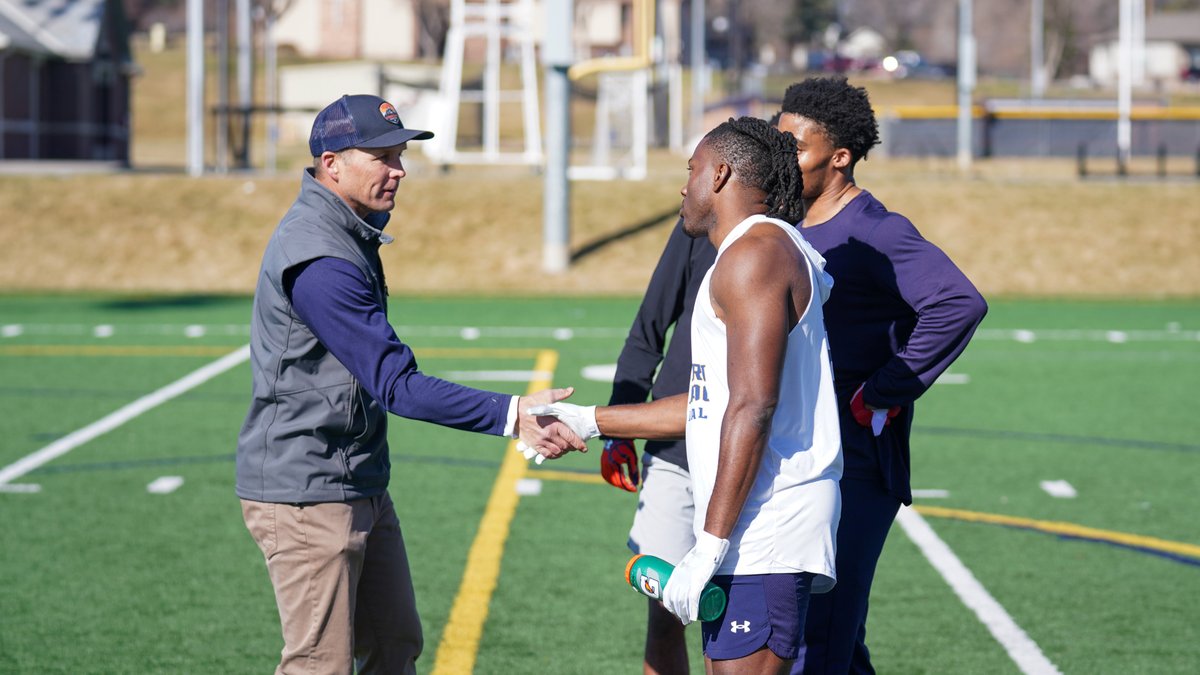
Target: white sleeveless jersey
<point>790,518</point>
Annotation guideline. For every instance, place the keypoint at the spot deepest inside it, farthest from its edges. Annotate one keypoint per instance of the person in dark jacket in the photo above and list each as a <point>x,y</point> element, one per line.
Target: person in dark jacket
<point>312,455</point>
<point>662,524</point>
<point>900,313</point>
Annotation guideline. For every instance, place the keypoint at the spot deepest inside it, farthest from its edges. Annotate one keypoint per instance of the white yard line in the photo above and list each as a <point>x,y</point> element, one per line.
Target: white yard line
<point>115,419</point>
<point>495,375</point>
<point>1020,647</point>
<point>1173,332</point>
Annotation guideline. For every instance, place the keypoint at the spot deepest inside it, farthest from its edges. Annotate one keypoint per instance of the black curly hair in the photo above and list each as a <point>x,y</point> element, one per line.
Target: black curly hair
<point>841,109</point>
<point>762,157</point>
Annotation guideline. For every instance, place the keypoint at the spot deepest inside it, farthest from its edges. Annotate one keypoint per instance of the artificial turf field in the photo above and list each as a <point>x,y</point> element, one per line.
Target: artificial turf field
<point>99,574</point>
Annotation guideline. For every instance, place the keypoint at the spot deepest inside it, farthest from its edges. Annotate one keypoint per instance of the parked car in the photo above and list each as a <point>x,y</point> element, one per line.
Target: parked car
<point>909,64</point>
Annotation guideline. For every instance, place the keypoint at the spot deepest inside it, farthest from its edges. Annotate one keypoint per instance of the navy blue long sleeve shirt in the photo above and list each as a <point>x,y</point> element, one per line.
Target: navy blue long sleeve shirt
<point>335,301</point>
<point>900,313</point>
<point>668,301</point>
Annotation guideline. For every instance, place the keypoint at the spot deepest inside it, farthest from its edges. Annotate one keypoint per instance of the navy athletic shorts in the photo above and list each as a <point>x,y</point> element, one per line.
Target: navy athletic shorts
<point>762,609</point>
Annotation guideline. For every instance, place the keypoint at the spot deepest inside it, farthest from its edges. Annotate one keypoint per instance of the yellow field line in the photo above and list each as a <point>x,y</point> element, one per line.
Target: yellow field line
<point>568,476</point>
<point>460,640</point>
<point>1066,529</point>
<point>1047,526</point>
<point>950,112</point>
<point>208,350</point>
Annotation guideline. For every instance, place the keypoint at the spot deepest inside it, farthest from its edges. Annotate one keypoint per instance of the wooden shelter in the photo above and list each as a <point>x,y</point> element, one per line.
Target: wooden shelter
<point>65,69</point>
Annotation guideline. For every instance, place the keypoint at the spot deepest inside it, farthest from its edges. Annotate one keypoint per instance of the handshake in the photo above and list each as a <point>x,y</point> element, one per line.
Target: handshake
<point>550,428</point>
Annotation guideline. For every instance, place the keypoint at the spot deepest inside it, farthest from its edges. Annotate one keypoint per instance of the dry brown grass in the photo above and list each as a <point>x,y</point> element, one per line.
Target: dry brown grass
<point>1018,228</point>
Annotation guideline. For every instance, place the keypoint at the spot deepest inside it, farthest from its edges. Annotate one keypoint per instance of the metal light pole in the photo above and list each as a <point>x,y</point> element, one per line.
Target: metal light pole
<point>245,75</point>
<point>1037,41</point>
<point>966,82</point>
<point>558,55</point>
<point>1124,83</point>
<point>271,68</point>
<point>221,159</point>
<point>698,69</point>
<point>195,87</point>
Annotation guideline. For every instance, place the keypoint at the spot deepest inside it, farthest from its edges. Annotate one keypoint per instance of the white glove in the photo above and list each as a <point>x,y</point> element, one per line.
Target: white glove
<point>581,418</point>
<point>681,596</point>
<point>530,453</point>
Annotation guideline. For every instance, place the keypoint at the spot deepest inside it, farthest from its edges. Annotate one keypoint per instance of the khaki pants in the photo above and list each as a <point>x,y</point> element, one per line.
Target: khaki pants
<point>342,584</point>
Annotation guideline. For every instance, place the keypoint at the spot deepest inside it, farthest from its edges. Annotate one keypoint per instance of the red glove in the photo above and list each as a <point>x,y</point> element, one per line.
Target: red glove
<point>863,414</point>
<point>619,464</point>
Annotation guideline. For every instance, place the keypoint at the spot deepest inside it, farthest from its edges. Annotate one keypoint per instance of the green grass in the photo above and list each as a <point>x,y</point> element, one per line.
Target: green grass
<point>100,576</point>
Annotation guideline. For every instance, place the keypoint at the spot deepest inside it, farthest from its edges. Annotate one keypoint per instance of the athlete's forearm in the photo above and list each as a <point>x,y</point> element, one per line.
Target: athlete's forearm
<point>662,419</point>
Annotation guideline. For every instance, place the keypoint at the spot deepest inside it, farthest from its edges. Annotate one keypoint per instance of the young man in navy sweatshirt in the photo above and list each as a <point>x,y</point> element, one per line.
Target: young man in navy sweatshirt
<point>900,313</point>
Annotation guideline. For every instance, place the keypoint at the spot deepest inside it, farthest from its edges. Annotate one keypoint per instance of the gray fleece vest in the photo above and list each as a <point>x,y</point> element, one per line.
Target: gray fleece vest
<point>312,434</point>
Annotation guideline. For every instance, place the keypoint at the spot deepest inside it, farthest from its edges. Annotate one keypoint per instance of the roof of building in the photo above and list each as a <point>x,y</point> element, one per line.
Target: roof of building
<point>66,28</point>
<point>1181,27</point>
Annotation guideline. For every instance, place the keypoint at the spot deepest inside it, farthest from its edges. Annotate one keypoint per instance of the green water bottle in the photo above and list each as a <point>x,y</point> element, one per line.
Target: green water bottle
<point>648,575</point>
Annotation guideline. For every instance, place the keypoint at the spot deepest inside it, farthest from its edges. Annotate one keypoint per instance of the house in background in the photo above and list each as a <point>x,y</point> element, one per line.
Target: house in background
<point>388,30</point>
<point>1172,51</point>
<point>65,67</point>
<point>381,30</point>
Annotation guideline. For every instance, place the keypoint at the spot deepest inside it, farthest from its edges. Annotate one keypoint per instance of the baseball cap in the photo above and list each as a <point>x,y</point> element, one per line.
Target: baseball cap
<point>360,121</point>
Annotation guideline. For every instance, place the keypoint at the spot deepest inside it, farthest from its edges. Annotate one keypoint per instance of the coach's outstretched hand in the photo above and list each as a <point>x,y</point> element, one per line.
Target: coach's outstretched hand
<point>545,436</point>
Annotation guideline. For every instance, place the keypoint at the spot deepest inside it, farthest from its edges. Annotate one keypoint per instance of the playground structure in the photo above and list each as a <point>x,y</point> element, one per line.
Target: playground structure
<point>626,88</point>
<point>623,85</point>
<point>493,21</point>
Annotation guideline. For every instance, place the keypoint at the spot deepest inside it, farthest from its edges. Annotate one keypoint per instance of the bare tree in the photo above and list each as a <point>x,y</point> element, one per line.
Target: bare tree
<point>1072,27</point>
<point>898,22</point>
<point>433,21</point>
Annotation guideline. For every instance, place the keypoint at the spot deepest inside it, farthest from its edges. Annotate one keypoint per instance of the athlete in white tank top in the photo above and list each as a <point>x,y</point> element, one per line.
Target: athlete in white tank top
<point>789,520</point>
<point>760,417</point>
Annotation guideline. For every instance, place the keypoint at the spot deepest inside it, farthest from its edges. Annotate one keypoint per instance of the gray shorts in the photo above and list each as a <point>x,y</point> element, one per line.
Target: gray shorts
<point>662,526</point>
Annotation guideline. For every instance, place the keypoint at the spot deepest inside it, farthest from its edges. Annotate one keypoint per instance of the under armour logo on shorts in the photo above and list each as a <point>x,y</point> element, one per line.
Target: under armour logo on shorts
<point>735,626</point>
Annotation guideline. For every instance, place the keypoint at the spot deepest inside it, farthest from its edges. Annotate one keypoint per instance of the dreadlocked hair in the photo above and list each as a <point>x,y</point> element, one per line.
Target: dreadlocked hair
<point>843,110</point>
<point>762,157</point>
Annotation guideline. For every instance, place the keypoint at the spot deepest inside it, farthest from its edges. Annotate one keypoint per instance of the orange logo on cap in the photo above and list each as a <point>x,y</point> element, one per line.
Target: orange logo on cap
<point>389,113</point>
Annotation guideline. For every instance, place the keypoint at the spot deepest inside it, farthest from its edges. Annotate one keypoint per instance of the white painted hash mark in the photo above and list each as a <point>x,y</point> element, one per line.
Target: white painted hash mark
<point>1020,647</point>
<point>27,488</point>
<point>164,485</point>
<point>600,372</point>
<point>953,378</point>
<point>529,487</point>
<point>932,493</point>
<point>1058,488</point>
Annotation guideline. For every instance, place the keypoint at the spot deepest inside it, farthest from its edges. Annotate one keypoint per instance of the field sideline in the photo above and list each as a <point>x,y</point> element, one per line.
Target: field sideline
<point>1053,529</point>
